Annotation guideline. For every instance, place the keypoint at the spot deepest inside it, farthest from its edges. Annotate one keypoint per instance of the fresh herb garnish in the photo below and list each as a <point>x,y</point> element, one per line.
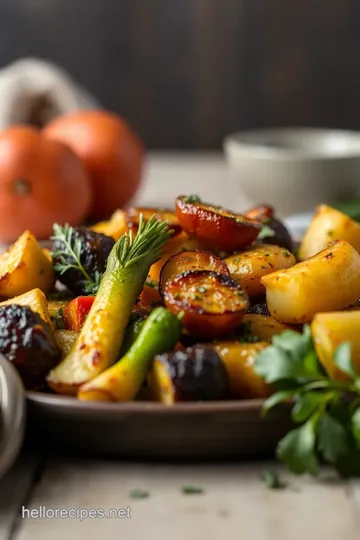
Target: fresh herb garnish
<point>201,289</point>
<point>266,232</point>
<point>192,490</point>
<point>70,257</point>
<point>272,480</point>
<point>192,199</point>
<point>139,494</point>
<point>328,411</point>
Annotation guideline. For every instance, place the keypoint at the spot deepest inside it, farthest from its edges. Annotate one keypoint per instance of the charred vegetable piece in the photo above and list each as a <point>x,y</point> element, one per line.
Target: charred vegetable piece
<point>123,381</point>
<point>193,374</point>
<point>329,330</point>
<point>180,242</point>
<point>216,227</point>
<point>188,261</point>
<point>35,300</point>
<point>326,226</point>
<point>150,296</point>
<point>28,343</point>
<point>212,304</point>
<point>258,306</point>
<point>238,359</point>
<point>132,216</point>
<point>101,337</point>
<point>80,257</point>
<point>115,227</point>
<point>263,327</point>
<point>274,231</point>
<point>77,312</point>
<point>65,340</point>
<point>249,266</point>
<point>25,266</point>
<point>329,281</point>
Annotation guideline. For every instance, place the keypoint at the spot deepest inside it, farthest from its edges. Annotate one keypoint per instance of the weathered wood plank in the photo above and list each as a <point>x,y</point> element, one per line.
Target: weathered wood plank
<point>235,504</point>
<point>14,489</point>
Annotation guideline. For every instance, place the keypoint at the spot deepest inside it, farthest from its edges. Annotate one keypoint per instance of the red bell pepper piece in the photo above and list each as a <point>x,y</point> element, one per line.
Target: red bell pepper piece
<point>77,312</point>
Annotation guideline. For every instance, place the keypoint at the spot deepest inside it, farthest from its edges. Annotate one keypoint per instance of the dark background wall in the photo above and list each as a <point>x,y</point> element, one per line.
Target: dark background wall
<point>187,72</point>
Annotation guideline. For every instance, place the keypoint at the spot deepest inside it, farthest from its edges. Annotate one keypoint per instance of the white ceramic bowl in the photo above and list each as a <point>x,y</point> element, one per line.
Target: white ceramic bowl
<point>295,169</point>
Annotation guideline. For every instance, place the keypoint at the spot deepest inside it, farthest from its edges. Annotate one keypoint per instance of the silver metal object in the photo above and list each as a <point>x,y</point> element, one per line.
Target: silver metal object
<point>12,414</point>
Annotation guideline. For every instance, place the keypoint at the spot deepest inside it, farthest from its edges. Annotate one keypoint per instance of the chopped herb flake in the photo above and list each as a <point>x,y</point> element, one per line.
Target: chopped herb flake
<point>192,490</point>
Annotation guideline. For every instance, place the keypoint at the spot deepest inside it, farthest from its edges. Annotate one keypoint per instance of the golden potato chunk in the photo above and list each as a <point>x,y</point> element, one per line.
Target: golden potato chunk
<point>239,361</point>
<point>65,340</point>
<point>328,225</point>
<point>329,330</point>
<point>25,266</point>
<point>249,266</point>
<point>35,300</point>
<point>328,281</point>
<point>115,227</point>
<point>264,327</point>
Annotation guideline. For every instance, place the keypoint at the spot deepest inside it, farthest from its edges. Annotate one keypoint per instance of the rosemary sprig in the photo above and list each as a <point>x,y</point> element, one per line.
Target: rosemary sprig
<point>70,256</point>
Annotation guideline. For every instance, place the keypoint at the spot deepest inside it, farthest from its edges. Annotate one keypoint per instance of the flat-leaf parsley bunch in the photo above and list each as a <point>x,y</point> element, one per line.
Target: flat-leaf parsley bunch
<point>327,411</point>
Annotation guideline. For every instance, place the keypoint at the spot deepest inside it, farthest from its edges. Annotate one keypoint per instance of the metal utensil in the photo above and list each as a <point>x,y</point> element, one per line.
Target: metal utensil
<point>12,414</point>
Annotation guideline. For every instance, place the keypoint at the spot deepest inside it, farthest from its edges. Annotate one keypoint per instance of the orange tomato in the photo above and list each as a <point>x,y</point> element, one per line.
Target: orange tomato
<point>41,182</point>
<point>111,152</point>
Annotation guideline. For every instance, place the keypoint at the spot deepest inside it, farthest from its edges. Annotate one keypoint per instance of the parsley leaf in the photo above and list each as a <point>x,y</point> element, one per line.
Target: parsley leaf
<point>266,232</point>
<point>192,490</point>
<point>272,480</point>
<point>139,494</point>
<point>298,449</point>
<point>332,438</point>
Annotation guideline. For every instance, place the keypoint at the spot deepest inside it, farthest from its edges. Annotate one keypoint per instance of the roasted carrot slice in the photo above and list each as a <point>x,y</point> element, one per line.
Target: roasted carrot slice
<point>132,216</point>
<point>77,311</point>
<point>188,261</point>
<point>218,228</point>
<point>261,212</point>
<point>212,304</point>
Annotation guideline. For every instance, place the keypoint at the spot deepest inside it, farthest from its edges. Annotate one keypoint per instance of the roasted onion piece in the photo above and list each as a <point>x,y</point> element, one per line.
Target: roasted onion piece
<point>192,374</point>
<point>188,261</point>
<point>216,227</point>
<point>212,304</point>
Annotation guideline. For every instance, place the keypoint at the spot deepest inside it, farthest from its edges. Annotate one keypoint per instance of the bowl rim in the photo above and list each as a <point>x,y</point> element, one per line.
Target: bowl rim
<point>241,141</point>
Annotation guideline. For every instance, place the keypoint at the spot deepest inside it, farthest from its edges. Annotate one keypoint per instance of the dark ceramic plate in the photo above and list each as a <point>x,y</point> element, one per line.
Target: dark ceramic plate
<point>148,430</point>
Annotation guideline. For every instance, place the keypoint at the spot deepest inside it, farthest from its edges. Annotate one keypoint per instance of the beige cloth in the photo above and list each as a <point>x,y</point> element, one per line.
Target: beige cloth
<point>36,91</point>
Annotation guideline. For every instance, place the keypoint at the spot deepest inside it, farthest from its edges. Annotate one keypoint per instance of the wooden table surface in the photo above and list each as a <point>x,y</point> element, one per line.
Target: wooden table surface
<point>235,502</point>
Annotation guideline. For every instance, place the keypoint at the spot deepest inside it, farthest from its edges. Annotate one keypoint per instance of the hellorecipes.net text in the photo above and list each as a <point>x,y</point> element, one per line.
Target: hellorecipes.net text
<point>78,513</point>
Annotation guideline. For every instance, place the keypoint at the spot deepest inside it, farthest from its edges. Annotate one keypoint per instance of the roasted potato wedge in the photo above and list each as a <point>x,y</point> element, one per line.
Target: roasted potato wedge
<point>115,227</point>
<point>329,330</point>
<point>249,266</point>
<point>24,267</point>
<point>263,327</point>
<point>180,242</point>
<point>65,340</point>
<point>328,225</point>
<point>133,216</point>
<point>54,306</point>
<point>217,228</point>
<point>212,304</point>
<point>191,374</point>
<point>328,281</point>
<point>191,260</point>
<point>238,359</point>
<point>35,300</point>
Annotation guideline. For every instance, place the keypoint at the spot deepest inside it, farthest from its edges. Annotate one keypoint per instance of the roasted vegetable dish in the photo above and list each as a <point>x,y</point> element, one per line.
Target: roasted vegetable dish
<point>177,305</point>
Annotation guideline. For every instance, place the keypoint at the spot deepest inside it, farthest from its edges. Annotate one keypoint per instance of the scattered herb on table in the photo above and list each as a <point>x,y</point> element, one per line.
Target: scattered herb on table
<point>139,494</point>
<point>272,479</point>
<point>192,490</point>
<point>328,411</point>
